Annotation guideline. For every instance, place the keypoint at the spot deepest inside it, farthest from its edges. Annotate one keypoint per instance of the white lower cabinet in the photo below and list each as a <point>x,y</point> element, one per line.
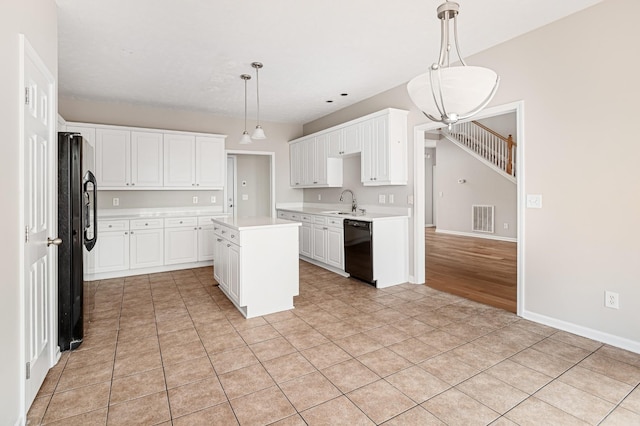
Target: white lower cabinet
<point>112,251</point>
<point>150,245</point>
<point>145,248</point>
<point>181,240</point>
<point>306,237</point>
<point>335,246</point>
<point>321,238</point>
<point>256,265</point>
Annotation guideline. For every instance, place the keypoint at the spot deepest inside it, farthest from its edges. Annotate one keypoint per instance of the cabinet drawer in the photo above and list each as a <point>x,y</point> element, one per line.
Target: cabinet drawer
<point>320,220</point>
<point>146,223</point>
<point>335,222</point>
<point>306,218</point>
<point>284,215</point>
<point>113,225</point>
<point>180,221</point>
<point>206,220</point>
<point>295,216</point>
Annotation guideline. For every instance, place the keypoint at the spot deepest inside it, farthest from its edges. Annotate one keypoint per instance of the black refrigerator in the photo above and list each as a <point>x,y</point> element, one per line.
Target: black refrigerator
<point>77,227</point>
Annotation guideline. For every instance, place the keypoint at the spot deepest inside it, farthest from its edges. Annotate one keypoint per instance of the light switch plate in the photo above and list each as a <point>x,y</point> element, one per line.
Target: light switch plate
<point>195,200</point>
<point>534,201</point>
<point>391,199</point>
<point>213,199</point>
<point>245,197</point>
<point>116,202</point>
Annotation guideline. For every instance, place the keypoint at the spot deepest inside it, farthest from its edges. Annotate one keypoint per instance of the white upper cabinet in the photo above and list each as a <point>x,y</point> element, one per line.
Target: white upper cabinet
<point>179,160</point>
<point>210,162</point>
<point>131,158</point>
<point>379,138</point>
<point>193,161</point>
<point>113,158</point>
<point>384,149</point>
<point>311,166</point>
<point>146,159</point>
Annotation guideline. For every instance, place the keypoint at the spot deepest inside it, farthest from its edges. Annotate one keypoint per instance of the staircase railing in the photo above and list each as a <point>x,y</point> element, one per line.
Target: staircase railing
<point>490,145</point>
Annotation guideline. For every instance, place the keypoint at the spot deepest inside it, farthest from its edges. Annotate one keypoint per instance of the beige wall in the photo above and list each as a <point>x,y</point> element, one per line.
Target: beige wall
<point>169,119</point>
<point>37,20</point>
<point>578,80</point>
<point>252,170</point>
<point>482,186</point>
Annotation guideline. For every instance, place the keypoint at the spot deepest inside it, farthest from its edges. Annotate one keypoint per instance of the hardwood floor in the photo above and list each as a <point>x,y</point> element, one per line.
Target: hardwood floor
<point>476,268</point>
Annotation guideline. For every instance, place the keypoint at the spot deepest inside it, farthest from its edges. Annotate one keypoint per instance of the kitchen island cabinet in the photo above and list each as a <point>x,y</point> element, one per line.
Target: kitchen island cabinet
<point>256,263</point>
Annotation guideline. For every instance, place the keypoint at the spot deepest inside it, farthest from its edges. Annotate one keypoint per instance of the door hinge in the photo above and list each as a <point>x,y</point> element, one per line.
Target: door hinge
<point>26,234</point>
<point>28,370</point>
<point>26,96</point>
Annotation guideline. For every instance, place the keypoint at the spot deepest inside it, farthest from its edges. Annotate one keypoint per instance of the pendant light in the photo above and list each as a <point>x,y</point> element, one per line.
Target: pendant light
<point>246,139</point>
<point>448,94</point>
<point>258,133</point>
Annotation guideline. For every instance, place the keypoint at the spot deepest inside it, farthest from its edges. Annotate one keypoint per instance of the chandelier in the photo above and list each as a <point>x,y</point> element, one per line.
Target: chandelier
<point>447,94</point>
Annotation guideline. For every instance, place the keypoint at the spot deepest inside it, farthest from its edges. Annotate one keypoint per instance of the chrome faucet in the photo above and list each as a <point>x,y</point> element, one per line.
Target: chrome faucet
<point>354,203</point>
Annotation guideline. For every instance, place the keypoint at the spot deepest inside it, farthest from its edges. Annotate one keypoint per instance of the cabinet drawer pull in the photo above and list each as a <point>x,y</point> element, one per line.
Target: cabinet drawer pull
<point>146,224</point>
<point>224,232</point>
<point>233,236</point>
<point>228,245</point>
<point>132,184</point>
<point>127,183</point>
<point>200,227</point>
<point>215,228</point>
<point>197,184</point>
<point>180,221</point>
<point>110,226</point>
<point>126,233</point>
<point>219,239</point>
<point>131,232</point>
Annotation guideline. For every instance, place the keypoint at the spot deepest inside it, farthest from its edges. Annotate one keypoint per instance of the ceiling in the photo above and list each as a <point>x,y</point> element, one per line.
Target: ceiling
<point>189,54</point>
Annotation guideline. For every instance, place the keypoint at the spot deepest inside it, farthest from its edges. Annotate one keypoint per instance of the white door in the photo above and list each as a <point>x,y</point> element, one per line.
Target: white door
<point>231,189</point>
<point>40,185</point>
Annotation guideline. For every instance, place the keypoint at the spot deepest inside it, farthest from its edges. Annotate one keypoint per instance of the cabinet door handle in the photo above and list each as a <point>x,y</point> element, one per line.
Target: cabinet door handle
<point>132,184</point>
<point>233,236</point>
<point>193,184</point>
<point>200,227</point>
<point>126,233</point>
<point>180,221</point>
<point>219,239</point>
<point>110,226</point>
<point>131,233</point>
<point>195,229</point>
<point>215,228</point>
<point>146,224</point>
<point>224,232</point>
<point>228,245</point>
<point>197,184</point>
<point>325,228</point>
<point>127,183</point>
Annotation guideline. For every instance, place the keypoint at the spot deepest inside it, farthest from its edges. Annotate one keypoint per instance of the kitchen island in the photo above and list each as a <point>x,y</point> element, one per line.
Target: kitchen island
<point>256,263</point>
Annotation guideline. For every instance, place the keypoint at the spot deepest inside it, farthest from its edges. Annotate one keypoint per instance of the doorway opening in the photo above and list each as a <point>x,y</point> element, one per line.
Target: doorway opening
<point>250,189</point>
<point>430,239</point>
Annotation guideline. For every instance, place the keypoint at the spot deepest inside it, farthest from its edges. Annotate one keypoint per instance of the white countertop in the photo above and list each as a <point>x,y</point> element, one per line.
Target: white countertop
<point>159,213</point>
<point>368,217</point>
<point>242,223</point>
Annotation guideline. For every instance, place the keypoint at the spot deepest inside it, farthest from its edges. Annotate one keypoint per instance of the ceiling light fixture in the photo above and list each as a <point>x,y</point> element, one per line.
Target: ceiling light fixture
<point>258,133</point>
<point>448,94</point>
<point>246,139</point>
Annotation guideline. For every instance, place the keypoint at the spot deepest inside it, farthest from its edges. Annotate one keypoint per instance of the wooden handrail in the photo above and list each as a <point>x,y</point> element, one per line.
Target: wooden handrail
<point>493,132</point>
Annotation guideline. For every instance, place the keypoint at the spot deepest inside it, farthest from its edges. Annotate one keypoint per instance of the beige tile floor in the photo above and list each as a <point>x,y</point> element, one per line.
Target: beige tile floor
<point>171,349</point>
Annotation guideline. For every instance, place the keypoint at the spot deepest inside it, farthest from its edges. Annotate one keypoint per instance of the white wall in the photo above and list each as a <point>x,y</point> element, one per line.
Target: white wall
<point>578,80</point>
<point>37,20</point>
<point>278,134</point>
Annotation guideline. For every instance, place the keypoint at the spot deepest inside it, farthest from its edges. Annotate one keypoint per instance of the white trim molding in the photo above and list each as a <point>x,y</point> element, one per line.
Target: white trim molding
<point>471,234</point>
<point>417,276</point>
<point>589,333</point>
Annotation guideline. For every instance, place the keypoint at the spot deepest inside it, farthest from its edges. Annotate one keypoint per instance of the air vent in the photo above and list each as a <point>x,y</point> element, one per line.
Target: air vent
<point>482,218</point>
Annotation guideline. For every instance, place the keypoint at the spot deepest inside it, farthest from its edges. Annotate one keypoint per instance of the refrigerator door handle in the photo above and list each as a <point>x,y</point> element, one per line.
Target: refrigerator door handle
<point>89,243</point>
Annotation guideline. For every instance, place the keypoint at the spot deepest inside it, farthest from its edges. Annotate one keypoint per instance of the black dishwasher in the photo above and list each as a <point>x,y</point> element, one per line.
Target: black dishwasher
<point>358,249</point>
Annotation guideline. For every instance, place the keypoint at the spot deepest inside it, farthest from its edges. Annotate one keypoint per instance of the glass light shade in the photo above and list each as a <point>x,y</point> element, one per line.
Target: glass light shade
<point>258,133</point>
<point>465,90</point>
<point>246,139</point>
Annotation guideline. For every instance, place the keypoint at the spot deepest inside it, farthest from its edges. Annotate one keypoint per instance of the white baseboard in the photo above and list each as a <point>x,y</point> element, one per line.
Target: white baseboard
<point>600,336</point>
<point>324,266</point>
<point>143,271</point>
<point>471,234</point>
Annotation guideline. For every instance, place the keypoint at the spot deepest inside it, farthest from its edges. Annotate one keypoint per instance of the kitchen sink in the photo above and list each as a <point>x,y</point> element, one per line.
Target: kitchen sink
<point>338,212</point>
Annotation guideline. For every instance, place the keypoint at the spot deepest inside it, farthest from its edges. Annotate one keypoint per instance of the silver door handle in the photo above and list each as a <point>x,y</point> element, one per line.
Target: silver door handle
<point>55,241</point>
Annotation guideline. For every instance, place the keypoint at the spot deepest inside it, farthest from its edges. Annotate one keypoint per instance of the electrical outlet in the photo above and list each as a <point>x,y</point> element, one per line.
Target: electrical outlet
<point>505,225</point>
<point>611,300</point>
<point>213,199</point>
<point>391,199</point>
<point>382,199</point>
<point>195,200</point>
<point>440,194</point>
<point>319,197</point>
<point>245,197</point>
<point>410,199</point>
<point>116,202</point>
